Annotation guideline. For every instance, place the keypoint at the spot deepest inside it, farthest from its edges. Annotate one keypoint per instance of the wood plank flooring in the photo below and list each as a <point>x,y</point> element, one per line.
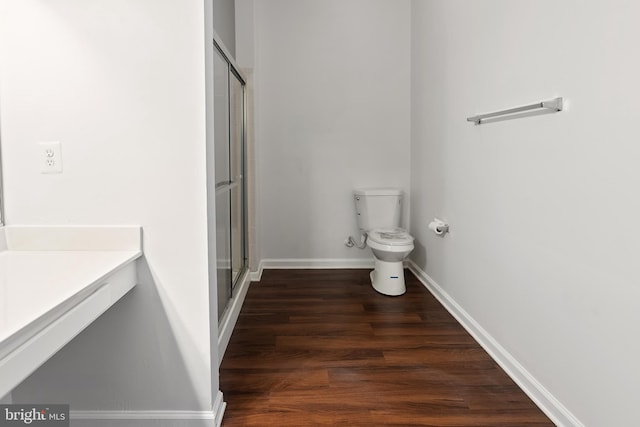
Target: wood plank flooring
<point>322,348</point>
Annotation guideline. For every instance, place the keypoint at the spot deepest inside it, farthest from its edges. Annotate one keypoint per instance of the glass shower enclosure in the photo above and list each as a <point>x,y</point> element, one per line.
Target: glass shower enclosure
<point>229,170</point>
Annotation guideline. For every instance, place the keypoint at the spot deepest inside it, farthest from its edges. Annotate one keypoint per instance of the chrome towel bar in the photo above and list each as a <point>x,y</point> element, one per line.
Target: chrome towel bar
<point>553,104</point>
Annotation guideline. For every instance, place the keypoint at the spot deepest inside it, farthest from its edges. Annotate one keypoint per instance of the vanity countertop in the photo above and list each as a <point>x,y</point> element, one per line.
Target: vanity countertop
<point>54,281</point>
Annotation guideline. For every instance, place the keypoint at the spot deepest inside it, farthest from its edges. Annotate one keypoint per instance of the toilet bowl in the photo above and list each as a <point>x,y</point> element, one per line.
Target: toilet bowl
<point>390,247</point>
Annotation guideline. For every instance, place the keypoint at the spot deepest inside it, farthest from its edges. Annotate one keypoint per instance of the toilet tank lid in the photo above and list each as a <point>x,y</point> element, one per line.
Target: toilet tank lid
<point>377,192</point>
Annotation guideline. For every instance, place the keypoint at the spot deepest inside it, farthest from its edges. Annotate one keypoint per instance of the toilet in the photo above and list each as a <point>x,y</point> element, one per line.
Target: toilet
<point>379,212</point>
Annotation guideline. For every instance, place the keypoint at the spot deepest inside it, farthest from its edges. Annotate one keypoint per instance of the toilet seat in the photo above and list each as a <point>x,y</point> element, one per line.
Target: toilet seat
<point>390,237</point>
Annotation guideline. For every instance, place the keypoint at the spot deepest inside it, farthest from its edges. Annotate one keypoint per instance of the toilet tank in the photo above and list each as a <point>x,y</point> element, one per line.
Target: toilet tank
<point>378,208</point>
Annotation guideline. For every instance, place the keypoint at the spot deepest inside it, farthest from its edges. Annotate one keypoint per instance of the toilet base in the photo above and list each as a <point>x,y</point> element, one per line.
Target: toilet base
<point>388,278</point>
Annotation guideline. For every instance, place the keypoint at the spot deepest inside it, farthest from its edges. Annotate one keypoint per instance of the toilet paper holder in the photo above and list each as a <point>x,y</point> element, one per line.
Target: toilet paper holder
<point>439,227</point>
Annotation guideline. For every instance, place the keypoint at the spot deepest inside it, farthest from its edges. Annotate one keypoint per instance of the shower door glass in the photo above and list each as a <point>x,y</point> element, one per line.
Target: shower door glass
<point>221,161</point>
<point>236,100</point>
<point>229,153</point>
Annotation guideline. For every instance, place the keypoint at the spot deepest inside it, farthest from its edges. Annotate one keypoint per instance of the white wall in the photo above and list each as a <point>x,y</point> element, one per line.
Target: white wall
<point>545,238</point>
<point>224,23</point>
<point>245,33</point>
<point>332,96</point>
<point>122,85</point>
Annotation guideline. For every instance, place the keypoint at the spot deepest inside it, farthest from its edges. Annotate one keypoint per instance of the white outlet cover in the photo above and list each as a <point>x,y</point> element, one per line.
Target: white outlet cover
<point>50,157</point>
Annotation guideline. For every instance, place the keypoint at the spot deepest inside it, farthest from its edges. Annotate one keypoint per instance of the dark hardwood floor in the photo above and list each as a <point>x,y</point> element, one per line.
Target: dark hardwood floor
<point>321,347</point>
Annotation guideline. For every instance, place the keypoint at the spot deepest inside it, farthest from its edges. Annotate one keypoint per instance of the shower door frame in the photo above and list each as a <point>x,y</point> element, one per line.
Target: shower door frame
<point>229,186</point>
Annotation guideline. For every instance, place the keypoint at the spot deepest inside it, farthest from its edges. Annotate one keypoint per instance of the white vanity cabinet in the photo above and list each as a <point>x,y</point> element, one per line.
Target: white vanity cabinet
<point>55,281</point>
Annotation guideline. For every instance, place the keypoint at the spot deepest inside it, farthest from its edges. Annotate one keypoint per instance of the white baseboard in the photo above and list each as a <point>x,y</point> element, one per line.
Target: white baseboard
<point>230,317</point>
<point>557,412</point>
<point>143,419</point>
<point>308,263</point>
<point>314,263</point>
<point>256,276</point>
<point>211,418</point>
<point>219,405</point>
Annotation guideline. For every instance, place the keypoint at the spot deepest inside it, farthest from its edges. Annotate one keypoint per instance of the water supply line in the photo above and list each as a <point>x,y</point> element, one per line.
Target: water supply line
<point>350,242</point>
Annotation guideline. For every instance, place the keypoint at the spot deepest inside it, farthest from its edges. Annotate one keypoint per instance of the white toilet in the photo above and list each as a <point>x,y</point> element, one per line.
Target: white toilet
<point>379,213</point>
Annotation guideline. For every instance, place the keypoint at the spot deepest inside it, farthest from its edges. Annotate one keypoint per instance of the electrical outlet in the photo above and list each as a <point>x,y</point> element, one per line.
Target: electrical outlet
<point>51,157</point>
